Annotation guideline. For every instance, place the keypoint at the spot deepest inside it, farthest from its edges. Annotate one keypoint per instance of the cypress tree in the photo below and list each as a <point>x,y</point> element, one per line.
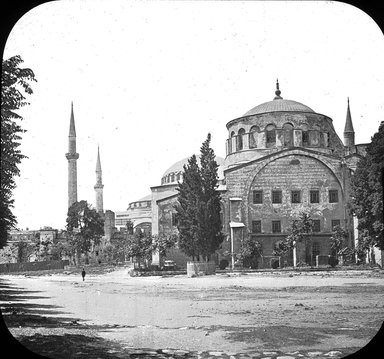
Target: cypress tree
<point>187,208</point>
<point>198,210</point>
<point>210,235</point>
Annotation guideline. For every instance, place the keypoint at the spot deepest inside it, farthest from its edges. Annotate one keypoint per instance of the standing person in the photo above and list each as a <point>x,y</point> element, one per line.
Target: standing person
<point>83,274</point>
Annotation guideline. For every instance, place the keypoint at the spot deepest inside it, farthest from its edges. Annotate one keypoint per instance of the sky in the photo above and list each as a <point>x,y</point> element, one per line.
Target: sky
<point>150,79</point>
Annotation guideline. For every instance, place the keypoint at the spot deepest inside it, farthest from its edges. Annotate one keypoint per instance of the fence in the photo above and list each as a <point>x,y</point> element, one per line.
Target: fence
<point>32,266</point>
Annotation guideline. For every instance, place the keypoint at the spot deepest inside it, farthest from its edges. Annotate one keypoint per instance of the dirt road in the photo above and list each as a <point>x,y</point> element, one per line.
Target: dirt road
<point>232,313</point>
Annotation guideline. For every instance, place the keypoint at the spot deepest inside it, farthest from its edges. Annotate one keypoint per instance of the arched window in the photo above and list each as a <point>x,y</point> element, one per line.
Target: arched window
<point>288,134</point>
<point>253,136</point>
<point>270,133</point>
<point>239,142</point>
<point>172,177</point>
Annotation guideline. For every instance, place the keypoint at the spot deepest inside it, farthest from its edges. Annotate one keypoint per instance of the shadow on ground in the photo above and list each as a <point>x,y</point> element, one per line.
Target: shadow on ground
<point>37,332</point>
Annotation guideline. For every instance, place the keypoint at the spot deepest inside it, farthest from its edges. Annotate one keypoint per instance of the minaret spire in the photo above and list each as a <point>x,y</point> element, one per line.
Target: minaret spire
<point>72,157</point>
<point>99,184</point>
<point>349,132</point>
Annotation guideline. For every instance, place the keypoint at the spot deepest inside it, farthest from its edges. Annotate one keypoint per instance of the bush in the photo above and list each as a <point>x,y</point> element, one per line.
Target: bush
<point>333,261</point>
<point>223,264</point>
<point>274,263</point>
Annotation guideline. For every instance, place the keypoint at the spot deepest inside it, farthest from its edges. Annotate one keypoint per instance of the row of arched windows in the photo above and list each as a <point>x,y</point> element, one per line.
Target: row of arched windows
<point>270,137</point>
<point>171,177</point>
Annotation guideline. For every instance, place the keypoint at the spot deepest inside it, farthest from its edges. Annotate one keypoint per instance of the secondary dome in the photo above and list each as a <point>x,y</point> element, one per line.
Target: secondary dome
<point>278,104</point>
<point>173,173</point>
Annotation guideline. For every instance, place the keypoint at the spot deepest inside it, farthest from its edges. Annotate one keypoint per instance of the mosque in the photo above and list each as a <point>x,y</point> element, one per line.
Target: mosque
<point>282,159</point>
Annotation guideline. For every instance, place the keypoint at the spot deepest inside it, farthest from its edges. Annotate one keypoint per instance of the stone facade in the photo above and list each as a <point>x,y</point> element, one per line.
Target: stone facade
<point>282,159</point>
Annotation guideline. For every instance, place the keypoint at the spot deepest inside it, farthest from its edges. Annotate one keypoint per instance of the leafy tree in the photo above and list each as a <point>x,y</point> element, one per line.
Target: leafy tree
<point>85,227</point>
<point>198,208</point>
<point>367,191</point>
<point>24,250</point>
<point>14,82</point>
<point>301,232</point>
<point>164,242</point>
<point>139,246</point>
<point>339,235</point>
<point>249,252</point>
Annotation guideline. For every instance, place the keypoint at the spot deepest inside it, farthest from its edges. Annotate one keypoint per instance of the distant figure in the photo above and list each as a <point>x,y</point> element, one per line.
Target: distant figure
<point>83,274</point>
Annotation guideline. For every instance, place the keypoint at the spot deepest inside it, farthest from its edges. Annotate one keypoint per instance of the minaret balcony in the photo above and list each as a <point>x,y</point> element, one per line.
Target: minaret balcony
<point>72,156</point>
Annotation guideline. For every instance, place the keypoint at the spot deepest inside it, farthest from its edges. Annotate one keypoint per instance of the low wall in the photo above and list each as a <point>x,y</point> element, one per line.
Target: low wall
<point>32,266</point>
<point>200,268</point>
<point>322,260</point>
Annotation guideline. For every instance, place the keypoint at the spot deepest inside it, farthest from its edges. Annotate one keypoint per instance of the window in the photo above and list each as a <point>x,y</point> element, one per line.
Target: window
<point>333,196</point>
<point>240,139</point>
<point>295,197</point>
<point>334,223</point>
<point>288,135</point>
<point>276,196</point>
<point>314,196</point>
<point>276,227</point>
<point>316,225</point>
<point>271,135</point>
<point>257,197</point>
<point>253,136</point>
<point>305,138</point>
<point>256,226</point>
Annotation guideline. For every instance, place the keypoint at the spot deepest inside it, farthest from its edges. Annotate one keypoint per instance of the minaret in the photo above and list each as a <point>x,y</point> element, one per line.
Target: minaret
<point>72,157</point>
<point>99,185</point>
<point>349,132</point>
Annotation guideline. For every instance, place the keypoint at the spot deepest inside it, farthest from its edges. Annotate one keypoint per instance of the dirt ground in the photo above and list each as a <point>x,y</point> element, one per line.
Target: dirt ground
<point>228,312</point>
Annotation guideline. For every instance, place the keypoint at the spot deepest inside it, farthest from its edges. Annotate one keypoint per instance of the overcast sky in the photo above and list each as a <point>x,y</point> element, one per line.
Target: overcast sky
<point>149,80</point>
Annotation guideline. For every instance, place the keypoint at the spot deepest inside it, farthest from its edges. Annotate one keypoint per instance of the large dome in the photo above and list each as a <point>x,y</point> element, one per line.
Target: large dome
<point>279,105</point>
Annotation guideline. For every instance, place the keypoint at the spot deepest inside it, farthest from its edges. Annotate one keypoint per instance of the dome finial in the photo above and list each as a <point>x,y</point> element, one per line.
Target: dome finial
<point>277,92</point>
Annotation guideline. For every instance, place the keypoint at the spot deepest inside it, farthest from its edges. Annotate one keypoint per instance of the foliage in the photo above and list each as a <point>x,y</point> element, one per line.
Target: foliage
<point>281,248</point>
<point>14,82</point>
<point>60,249</point>
<point>339,235</point>
<point>367,191</point>
<point>249,251</point>
<point>300,232</point>
<point>187,207</point>
<point>198,208</point>
<point>24,250</point>
<point>162,243</point>
<point>139,246</point>
<point>85,227</point>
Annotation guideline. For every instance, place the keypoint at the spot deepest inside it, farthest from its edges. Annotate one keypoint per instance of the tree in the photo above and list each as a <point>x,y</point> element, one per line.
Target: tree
<point>190,192</point>
<point>14,81</point>
<point>249,252</point>
<point>300,232</point>
<point>164,242</point>
<point>367,191</point>
<point>139,246</point>
<point>339,235</point>
<point>198,208</point>
<point>210,234</point>
<point>85,227</point>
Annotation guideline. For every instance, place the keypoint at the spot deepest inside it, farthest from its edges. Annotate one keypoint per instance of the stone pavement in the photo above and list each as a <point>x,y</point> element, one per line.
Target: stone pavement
<point>271,354</point>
